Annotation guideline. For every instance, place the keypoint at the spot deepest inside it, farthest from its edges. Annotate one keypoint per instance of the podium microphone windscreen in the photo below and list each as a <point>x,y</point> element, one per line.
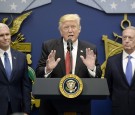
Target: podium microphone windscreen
<point>69,44</point>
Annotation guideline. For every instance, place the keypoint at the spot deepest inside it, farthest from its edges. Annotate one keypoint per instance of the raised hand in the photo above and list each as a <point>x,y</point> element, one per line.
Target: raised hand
<point>89,61</point>
<point>51,63</point>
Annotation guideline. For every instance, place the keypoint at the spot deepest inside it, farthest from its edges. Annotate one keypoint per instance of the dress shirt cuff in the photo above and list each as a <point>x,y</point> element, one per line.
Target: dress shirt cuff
<point>46,74</point>
<point>92,72</point>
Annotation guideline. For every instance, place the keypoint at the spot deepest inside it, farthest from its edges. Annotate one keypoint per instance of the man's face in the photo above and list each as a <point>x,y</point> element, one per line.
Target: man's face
<point>5,38</point>
<point>128,40</point>
<point>70,29</point>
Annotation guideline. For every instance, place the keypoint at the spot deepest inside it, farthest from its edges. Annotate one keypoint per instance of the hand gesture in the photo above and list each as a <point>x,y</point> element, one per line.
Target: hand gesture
<point>89,61</point>
<point>51,63</point>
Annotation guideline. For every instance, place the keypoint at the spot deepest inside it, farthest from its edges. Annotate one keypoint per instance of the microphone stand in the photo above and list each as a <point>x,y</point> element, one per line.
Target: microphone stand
<point>70,59</point>
<point>69,47</point>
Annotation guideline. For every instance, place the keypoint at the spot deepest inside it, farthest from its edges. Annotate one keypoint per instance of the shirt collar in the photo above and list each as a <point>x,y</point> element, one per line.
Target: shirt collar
<point>2,51</point>
<point>126,54</point>
<point>75,44</point>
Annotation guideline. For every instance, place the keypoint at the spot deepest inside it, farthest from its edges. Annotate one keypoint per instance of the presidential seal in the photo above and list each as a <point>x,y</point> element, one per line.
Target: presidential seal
<point>70,86</point>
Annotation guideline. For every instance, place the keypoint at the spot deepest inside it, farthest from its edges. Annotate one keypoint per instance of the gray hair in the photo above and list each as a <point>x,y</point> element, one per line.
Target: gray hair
<point>3,25</point>
<point>130,27</point>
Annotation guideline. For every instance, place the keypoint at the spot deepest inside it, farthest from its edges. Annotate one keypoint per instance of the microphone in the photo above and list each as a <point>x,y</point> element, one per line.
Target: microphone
<point>69,45</point>
<point>69,48</point>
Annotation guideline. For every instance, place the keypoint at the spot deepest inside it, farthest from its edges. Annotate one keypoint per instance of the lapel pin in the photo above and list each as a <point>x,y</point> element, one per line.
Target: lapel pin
<point>14,57</point>
<point>81,50</point>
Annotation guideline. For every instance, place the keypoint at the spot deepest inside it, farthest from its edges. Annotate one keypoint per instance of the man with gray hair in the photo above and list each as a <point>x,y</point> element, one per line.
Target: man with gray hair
<point>15,85</point>
<point>120,74</point>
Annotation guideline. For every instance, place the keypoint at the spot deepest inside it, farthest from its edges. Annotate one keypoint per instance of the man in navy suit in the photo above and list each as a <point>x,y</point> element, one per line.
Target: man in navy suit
<point>52,61</point>
<point>121,85</point>
<point>15,86</point>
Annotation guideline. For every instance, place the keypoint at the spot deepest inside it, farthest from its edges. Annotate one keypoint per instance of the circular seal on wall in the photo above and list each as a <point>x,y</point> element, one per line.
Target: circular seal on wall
<point>71,86</point>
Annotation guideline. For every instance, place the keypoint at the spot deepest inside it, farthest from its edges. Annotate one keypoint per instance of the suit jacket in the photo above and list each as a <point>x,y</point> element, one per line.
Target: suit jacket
<point>122,95</point>
<point>18,88</point>
<point>59,71</point>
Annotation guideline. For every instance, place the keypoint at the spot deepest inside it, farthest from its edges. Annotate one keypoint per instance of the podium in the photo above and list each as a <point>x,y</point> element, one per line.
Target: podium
<point>93,88</point>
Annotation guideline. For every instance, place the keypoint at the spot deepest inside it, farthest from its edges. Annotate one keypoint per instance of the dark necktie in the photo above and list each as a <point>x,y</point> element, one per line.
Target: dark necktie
<point>129,70</point>
<point>67,61</point>
<point>7,65</point>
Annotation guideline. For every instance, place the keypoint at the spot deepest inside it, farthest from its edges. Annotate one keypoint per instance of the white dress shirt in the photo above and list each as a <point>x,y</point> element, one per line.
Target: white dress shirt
<point>9,56</point>
<point>74,53</point>
<point>125,61</point>
<point>74,56</point>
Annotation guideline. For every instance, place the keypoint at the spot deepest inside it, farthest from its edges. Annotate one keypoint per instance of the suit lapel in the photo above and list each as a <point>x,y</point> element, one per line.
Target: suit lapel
<point>2,68</point>
<point>60,54</point>
<point>120,66</point>
<point>81,51</point>
<point>14,62</point>
<point>133,79</point>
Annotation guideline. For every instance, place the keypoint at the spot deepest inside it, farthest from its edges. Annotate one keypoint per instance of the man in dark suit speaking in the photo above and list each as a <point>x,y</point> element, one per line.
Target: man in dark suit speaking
<point>15,85</point>
<point>84,55</point>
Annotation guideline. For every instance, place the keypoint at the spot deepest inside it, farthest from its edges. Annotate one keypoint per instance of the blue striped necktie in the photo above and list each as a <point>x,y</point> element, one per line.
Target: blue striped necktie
<point>7,65</point>
<point>129,70</point>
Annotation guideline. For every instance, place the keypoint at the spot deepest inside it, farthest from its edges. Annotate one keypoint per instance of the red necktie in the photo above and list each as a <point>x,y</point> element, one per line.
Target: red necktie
<point>67,61</point>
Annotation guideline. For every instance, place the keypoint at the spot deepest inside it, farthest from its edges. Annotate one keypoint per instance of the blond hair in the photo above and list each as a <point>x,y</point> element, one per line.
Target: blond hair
<point>68,17</point>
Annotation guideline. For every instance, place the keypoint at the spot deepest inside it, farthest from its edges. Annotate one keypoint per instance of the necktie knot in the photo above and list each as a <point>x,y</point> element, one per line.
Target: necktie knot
<point>5,54</point>
<point>129,57</point>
